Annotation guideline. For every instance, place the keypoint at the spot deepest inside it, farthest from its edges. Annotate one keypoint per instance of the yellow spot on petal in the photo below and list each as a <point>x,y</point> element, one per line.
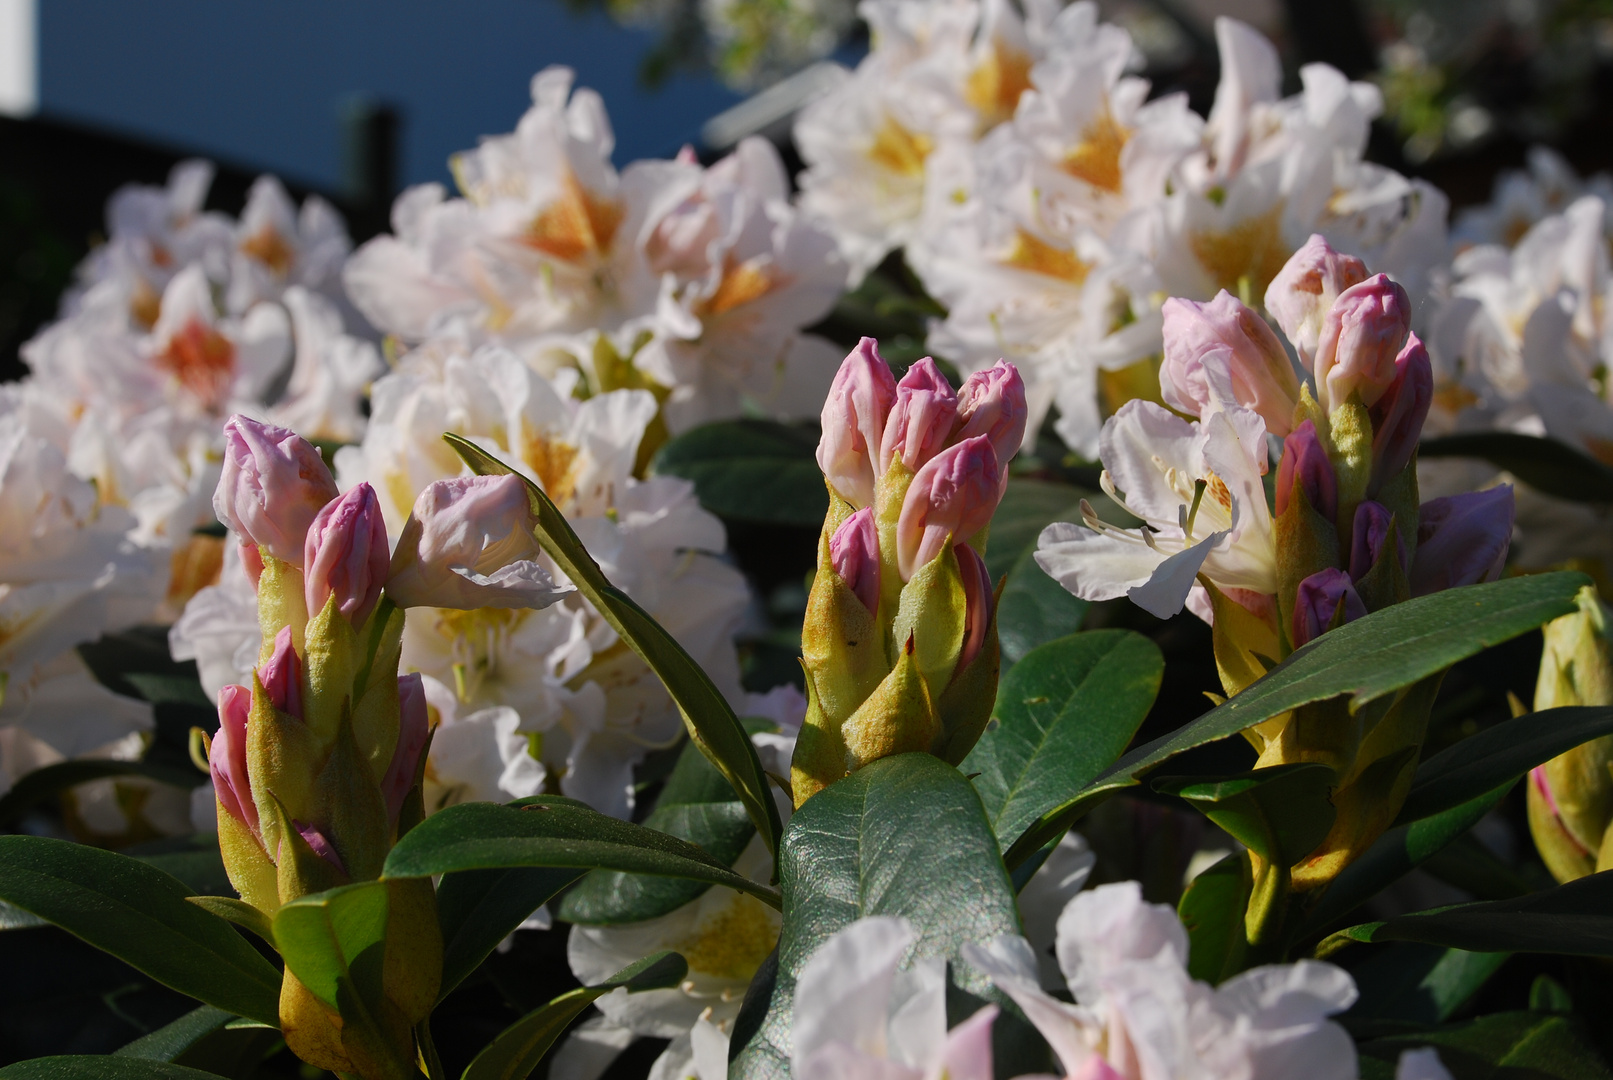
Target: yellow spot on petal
<point>575,224</point>
<point>732,942</point>
<point>554,464</point>
<point>741,283</point>
<point>1252,252</point>
<point>194,566</point>
<point>1038,256</point>
<point>1096,158</point>
<point>203,360</point>
<point>994,87</point>
<point>270,248</point>
<point>145,304</point>
<point>900,150</point>
<point>1452,397</point>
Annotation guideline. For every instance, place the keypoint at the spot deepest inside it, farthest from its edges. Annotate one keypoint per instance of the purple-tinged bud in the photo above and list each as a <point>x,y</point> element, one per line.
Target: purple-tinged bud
<point>1397,418</point>
<point>854,422</point>
<point>273,484</point>
<point>1305,462</point>
<point>1361,337</point>
<point>414,724</point>
<point>952,498</point>
<point>1462,540</point>
<point>1236,346</point>
<point>320,844</point>
<point>921,420</point>
<point>281,676</point>
<point>854,554</point>
<point>469,544</point>
<point>346,555</point>
<point>1317,601</point>
<point>226,759</point>
<point>992,403</point>
<point>978,601</point>
<point>1367,536</point>
<point>1302,293</point>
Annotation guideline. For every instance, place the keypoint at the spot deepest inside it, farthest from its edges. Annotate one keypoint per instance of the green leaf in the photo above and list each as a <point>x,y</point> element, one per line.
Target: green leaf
<point>41,784</point>
<point>172,1040</point>
<point>706,713</point>
<point>548,831</point>
<point>1502,752</point>
<point>99,1067</point>
<point>140,915</point>
<point>905,836</point>
<point>1575,919</point>
<point>1500,1046</point>
<point>696,805</point>
<point>1063,714</point>
<point>1368,660</point>
<point>193,859</point>
<point>1212,911</point>
<point>477,909</point>
<point>751,470</point>
<point>336,935</point>
<point>169,689</point>
<point>1281,812</point>
<point>521,1046</point>
<point>239,912</point>
<point>1548,466</point>
<point>1034,610</point>
<point>1421,983</point>
<point>1027,507</point>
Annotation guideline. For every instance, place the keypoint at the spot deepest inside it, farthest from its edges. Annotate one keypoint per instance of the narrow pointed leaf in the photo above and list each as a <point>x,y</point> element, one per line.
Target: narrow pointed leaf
<point>99,1067</point>
<point>477,909</point>
<point>1536,1046</point>
<point>171,1040</point>
<point>239,912</point>
<point>1575,919</point>
<point>1280,812</point>
<point>333,936</point>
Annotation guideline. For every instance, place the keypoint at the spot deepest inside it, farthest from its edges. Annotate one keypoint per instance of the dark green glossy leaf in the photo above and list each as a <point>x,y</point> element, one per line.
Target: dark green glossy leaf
<point>1212,911</point>
<point>99,1067</point>
<point>1421,983</point>
<point>140,915</point>
<point>172,1040</point>
<point>1548,466</point>
<point>1034,610</point>
<point>1501,1046</point>
<point>1281,813</point>
<point>1502,752</point>
<point>751,470</point>
<point>193,859</point>
<point>1469,865</point>
<point>1063,714</point>
<point>553,832</point>
<point>1028,507</point>
<point>239,912</point>
<point>41,784</point>
<point>696,805</point>
<point>905,836</point>
<point>477,909</point>
<point>1368,660</point>
<point>169,689</point>
<point>333,936</point>
<point>707,715</point>
<point>521,1046</point>
<point>1575,919</point>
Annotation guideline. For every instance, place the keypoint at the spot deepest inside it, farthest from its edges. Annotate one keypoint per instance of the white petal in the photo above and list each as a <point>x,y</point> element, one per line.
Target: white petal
<point>1166,591</point>
<point>1092,565</point>
<point>843,992</point>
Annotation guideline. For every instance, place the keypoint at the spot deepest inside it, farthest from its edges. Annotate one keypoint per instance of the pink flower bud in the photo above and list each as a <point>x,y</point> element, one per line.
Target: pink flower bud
<point>952,498</point>
<point>282,675</point>
<point>921,420</point>
<point>1305,462</point>
<point>1397,418</point>
<point>1367,536</point>
<point>854,554</point>
<point>320,843</point>
<point>469,544</point>
<point>992,403</point>
<point>226,759</point>
<point>414,724</point>
<point>1462,540</point>
<point>1317,601</point>
<point>1302,293</point>
<point>978,601</point>
<point>346,555</point>
<point>273,484</point>
<point>854,422</point>
<point>1361,337</point>
<point>252,562</point>
<point>1228,337</point>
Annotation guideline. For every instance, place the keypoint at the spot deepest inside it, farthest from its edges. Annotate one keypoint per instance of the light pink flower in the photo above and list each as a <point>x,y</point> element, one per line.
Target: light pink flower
<point>1224,341</point>
<point>952,498</point>
<point>854,422</point>
<point>273,484</point>
<point>920,421</point>
<point>854,554</point>
<point>992,403</point>
<point>346,555</point>
<point>1303,291</point>
<point>281,676</point>
<point>226,758</point>
<point>1361,337</point>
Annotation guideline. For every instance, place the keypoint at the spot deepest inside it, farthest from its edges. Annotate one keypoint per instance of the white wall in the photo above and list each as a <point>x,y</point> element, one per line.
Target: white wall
<point>19,52</point>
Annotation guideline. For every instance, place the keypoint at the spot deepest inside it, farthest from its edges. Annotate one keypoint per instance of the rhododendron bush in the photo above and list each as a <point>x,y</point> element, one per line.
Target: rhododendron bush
<point>1069,586</point>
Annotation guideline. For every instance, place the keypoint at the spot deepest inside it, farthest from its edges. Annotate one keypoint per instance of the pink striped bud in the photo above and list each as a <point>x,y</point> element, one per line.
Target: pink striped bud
<point>1305,462</point>
<point>1397,418</point>
<point>282,675</point>
<point>854,422</point>
<point>1302,293</point>
<point>346,555</point>
<point>1368,534</point>
<point>1361,336</point>
<point>921,420</point>
<point>273,484</point>
<point>1462,540</point>
<point>1317,601</point>
<point>226,759</point>
<point>320,844</point>
<point>952,498</point>
<point>854,554</point>
<point>1235,345</point>
<point>992,403</point>
<point>978,601</point>
<point>414,724</point>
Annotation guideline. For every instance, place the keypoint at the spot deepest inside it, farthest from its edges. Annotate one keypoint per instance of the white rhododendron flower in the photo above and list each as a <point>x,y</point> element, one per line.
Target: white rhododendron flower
<point>1523,197</point>
<point>476,756</point>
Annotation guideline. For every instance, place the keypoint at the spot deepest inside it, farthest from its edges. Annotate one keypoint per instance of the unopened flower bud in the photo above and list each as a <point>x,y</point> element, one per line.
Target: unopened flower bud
<point>346,555</point>
<point>1317,603</point>
<point>252,562</point>
<point>921,419</point>
<point>226,758</point>
<point>1231,338</point>
<point>1367,537</point>
<point>469,544</point>
<point>992,403</point>
<point>273,484</point>
<point>978,602</point>
<point>854,422</point>
<point>1302,293</point>
<point>1361,337</point>
<point>952,498</point>
<point>320,844</point>
<point>281,676</point>
<point>854,554</point>
<point>414,724</point>
<point>1397,418</point>
<point>1305,463</point>
<point>1462,540</point>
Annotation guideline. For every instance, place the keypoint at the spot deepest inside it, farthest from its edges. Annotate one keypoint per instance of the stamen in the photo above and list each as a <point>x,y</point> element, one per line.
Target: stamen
<point>1198,497</point>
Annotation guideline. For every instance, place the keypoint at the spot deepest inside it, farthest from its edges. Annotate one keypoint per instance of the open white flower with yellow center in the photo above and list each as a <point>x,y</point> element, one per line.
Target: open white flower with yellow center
<point>278,245</point>
<point>1524,197</point>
